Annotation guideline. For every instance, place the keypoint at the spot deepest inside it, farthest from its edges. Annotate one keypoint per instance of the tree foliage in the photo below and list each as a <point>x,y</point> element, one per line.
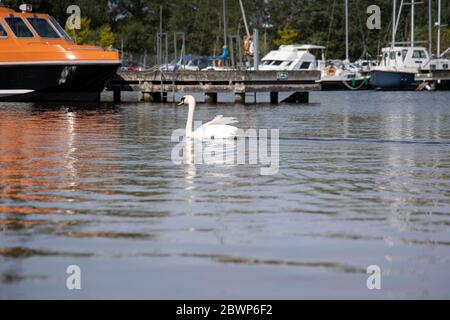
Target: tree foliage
<point>83,35</point>
<point>107,37</point>
<point>287,36</point>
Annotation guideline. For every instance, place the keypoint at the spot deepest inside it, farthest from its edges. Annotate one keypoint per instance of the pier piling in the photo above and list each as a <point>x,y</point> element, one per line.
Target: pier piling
<point>117,96</point>
<point>274,97</point>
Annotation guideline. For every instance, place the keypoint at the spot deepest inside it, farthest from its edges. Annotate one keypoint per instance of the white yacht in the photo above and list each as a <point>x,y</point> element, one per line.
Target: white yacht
<point>335,74</point>
<point>293,57</point>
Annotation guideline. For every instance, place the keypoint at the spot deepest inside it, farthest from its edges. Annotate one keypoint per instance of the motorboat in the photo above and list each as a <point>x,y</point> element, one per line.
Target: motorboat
<point>40,62</point>
<point>398,67</point>
<point>335,74</point>
<point>293,57</point>
<point>399,64</point>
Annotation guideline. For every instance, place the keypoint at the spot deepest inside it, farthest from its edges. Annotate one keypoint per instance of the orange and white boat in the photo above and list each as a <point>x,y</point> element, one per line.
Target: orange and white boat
<point>40,62</point>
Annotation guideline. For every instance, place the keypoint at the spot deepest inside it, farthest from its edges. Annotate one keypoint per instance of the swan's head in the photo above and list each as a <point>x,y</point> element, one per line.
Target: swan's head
<point>186,100</point>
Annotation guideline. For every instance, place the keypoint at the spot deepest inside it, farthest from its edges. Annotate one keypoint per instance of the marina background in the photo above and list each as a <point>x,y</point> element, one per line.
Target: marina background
<point>133,24</point>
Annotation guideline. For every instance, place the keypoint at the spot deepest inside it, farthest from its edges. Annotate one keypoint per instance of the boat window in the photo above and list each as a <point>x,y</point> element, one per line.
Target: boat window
<point>3,33</point>
<point>43,28</point>
<point>404,54</point>
<point>392,55</point>
<point>277,63</point>
<point>60,29</point>
<point>18,27</point>
<point>305,65</point>
<point>419,54</point>
<point>267,62</point>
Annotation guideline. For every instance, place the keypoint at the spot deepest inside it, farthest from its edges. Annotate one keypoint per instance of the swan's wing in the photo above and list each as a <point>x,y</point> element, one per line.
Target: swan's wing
<point>221,121</point>
<point>216,132</point>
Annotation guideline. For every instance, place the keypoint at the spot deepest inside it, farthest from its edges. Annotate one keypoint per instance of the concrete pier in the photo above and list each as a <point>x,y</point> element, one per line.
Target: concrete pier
<point>155,85</point>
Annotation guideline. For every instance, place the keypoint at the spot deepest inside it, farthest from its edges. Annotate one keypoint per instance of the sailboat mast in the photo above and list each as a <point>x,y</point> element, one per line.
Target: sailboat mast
<point>394,22</point>
<point>412,22</point>
<point>225,31</point>
<point>439,28</point>
<point>346,32</point>
<point>245,18</point>
<point>430,27</point>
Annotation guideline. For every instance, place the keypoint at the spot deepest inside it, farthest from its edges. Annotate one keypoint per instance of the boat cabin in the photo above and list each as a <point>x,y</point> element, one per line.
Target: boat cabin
<point>293,57</point>
<point>414,58</point>
<point>27,36</point>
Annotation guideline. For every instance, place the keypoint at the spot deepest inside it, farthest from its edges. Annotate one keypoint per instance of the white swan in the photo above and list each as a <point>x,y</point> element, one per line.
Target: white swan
<point>219,128</point>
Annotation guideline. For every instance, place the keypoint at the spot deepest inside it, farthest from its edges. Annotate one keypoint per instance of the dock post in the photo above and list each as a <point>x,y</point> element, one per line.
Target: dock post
<point>274,97</point>
<point>117,96</point>
<point>239,98</point>
<point>304,97</point>
<point>211,97</point>
<point>160,97</point>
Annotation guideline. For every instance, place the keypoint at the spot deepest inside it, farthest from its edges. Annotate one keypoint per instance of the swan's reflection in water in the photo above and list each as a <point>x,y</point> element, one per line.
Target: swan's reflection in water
<point>190,169</point>
<point>216,153</point>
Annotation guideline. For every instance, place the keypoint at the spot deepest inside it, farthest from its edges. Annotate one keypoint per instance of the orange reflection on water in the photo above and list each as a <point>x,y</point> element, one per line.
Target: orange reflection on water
<point>46,154</point>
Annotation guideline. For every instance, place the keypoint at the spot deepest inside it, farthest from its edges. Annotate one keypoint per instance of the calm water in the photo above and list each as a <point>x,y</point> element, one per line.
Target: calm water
<point>364,180</point>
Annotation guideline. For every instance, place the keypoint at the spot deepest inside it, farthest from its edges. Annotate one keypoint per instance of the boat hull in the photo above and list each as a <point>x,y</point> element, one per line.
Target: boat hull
<point>329,85</point>
<point>54,81</point>
<point>392,80</point>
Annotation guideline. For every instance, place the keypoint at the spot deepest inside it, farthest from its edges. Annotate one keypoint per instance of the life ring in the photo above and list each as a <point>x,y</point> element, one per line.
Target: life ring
<point>331,71</point>
<point>248,46</point>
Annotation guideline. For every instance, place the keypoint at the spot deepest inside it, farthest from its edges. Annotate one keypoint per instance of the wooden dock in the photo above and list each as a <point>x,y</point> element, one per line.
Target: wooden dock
<point>436,79</point>
<point>155,86</point>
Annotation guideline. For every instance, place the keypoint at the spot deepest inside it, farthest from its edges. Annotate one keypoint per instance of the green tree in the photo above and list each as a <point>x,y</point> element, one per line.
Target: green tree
<point>445,39</point>
<point>107,37</point>
<point>287,36</point>
<point>81,36</point>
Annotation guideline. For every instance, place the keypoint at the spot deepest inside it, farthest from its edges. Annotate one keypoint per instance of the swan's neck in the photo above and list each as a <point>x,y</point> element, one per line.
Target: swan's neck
<point>190,120</point>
